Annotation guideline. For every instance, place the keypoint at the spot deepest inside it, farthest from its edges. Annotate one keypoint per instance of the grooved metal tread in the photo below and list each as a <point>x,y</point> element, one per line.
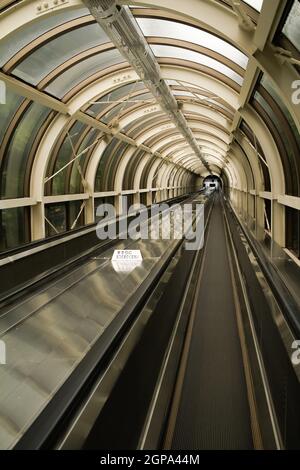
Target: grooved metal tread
<point>213,410</point>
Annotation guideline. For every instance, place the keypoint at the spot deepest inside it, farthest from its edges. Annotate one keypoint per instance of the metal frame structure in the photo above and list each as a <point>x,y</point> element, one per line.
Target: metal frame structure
<point>194,103</point>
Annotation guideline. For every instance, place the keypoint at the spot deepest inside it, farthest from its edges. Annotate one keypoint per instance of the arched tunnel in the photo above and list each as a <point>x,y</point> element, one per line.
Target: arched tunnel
<point>122,328</point>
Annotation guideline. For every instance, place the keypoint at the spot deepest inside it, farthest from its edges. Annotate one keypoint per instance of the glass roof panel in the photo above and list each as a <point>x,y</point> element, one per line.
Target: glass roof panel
<point>75,178</point>
<point>76,74</point>
<point>112,96</point>
<point>14,166</point>
<point>267,84</point>
<point>121,106</point>
<point>256,4</point>
<point>15,41</point>
<point>64,155</point>
<point>172,29</point>
<point>291,28</point>
<point>184,54</point>
<point>196,96</point>
<point>42,61</point>
<point>12,102</point>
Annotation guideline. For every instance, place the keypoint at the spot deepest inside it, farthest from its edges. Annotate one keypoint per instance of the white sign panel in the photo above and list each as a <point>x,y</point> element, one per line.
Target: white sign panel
<point>126,260</point>
<point>127,255</point>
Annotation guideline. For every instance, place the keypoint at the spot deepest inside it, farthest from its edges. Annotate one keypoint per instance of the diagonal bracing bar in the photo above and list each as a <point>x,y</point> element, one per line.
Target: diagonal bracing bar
<point>122,29</point>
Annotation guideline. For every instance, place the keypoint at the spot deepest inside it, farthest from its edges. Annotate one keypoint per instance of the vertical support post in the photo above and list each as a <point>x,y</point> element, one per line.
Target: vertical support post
<point>38,221</point>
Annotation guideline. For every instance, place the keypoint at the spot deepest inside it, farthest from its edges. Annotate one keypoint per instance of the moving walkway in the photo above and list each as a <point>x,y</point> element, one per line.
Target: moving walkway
<point>190,350</point>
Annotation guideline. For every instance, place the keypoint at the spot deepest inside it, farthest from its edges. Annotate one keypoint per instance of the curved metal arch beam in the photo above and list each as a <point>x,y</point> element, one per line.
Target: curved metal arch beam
<point>268,63</point>
<point>163,183</point>
<point>269,147</point>
<point>222,157</point>
<point>25,13</point>
<point>43,154</point>
<point>44,38</point>
<point>51,135</point>
<point>210,128</point>
<point>160,172</point>
<point>202,138</point>
<point>245,162</point>
<point>190,162</point>
<point>244,169</point>
<point>207,147</point>
<point>147,124</point>
<point>103,85</point>
<point>178,179</point>
<point>139,113</point>
<point>156,135</point>
<point>188,76</point>
<point>171,146</point>
<point>216,160</point>
<point>212,145</point>
<point>230,169</point>
<point>160,139</point>
<point>241,177</point>
<point>181,151</point>
<point>121,168</point>
<point>229,176</point>
<point>185,152</point>
<point>151,173</point>
<point>174,181</point>
<point>196,124</point>
<point>218,20</point>
<point>155,140</point>
<point>159,129</point>
<point>174,177</point>
<point>44,150</point>
<point>208,15</point>
<point>200,80</point>
<point>139,171</point>
<point>254,161</point>
<point>178,148</point>
<point>208,113</point>
<point>213,140</point>
<point>93,164</point>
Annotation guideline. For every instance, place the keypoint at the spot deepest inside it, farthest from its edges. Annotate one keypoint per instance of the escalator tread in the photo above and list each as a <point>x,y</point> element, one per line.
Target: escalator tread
<point>213,411</point>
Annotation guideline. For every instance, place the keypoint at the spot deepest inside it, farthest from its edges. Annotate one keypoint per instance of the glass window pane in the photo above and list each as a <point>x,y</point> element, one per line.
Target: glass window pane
<point>115,95</point>
<point>75,180</point>
<point>267,84</point>
<point>102,200</point>
<point>42,61</point>
<point>14,227</point>
<point>65,154</point>
<point>195,95</point>
<point>122,107</point>
<point>113,151</point>
<point>15,41</point>
<point>283,135</point>
<point>57,216</point>
<point>8,110</point>
<point>172,29</point>
<point>256,4</point>
<point>74,208</point>
<point>293,230</point>
<point>184,54</point>
<point>76,74</point>
<point>292,26</point>
<point>14,165</point>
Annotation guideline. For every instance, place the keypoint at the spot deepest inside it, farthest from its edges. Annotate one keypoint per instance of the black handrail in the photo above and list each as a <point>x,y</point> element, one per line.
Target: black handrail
<point>288,304</point>
<point>47,427</point>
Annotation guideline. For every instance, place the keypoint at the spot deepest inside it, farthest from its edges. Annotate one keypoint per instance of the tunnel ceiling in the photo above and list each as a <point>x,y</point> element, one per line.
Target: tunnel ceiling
<point>77,120</point>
